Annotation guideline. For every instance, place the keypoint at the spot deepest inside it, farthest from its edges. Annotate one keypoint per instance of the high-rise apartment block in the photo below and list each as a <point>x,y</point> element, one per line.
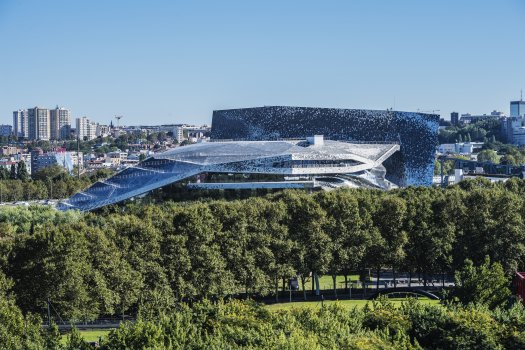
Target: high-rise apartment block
<point>86,129</point>
<point>39,123</point>
<point>20,123</point>
<point>60,127</point>
<point>42,124</point>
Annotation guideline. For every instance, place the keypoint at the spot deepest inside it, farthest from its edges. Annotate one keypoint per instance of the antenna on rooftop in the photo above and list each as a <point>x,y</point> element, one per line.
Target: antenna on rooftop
<point>521,95</point>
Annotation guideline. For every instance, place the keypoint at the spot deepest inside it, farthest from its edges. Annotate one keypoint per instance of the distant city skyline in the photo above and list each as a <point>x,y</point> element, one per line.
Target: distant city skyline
<point>167,62</point>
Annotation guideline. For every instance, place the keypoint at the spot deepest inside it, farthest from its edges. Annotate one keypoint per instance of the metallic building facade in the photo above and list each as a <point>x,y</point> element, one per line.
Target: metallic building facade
<point>415,132</point>
<point>324,164</point>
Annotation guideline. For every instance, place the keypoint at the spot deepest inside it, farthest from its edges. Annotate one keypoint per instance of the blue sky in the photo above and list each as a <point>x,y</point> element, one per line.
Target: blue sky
<point>176,61</point>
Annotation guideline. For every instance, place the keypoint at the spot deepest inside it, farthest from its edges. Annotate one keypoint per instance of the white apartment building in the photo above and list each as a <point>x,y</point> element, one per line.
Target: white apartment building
<point>178,133</point>
<point>42,124</point>
<point>20,123</point>
<point>38,124</point>
<point>460,147</point>
<point>60,119</point>
<point>86,129</point>
<point>103,130</point>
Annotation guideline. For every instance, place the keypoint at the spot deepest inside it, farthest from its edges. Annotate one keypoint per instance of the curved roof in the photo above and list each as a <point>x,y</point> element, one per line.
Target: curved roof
<point>291,157</point>
<point>226,151</point>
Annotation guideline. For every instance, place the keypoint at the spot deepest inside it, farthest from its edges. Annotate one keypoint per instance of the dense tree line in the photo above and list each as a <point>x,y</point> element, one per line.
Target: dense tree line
<point>114,261</point>
<point>380,326</point>
<point>246,325</point>
<point>481,131</point>
<point>49,183</point>
<point>495,149</point>
<point>101,145</point>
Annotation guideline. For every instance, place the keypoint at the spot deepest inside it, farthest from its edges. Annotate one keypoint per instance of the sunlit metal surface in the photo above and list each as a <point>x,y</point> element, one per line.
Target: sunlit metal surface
<point>287,158</point>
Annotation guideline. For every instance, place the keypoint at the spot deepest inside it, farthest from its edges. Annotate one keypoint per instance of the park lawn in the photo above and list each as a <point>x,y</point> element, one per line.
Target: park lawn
<point>326,282</point>
<point>350,304</point>
<point>89,335</point>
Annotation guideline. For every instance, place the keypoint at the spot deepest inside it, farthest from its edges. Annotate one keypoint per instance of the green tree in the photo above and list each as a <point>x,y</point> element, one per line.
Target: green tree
<point>389,219</point>
<point>350,239</point>
<point>485,284</point>
<point>16,331</point>
<point>4,173</point>
<point>488,155</point>
<point>493,226</point>
<point>12,174</point>
<point>75,341</point>
<point>306,223</point>
<point>448,166</point>
<point>50,173</point>
<point>235,242</point>
<point>208,275</point>
<point>177,263</point>
<point>430,224</point>
<point>21,171</point>
<point>53,265</point>
<point>270,243</point>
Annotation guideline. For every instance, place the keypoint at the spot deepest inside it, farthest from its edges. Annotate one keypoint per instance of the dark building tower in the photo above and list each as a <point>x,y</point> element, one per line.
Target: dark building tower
<point>517,108</point>
<point>454,118</point>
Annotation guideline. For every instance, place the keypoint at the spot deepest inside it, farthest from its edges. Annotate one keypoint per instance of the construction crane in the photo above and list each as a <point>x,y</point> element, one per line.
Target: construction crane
<point>433,111</point>
<point>118,117</point>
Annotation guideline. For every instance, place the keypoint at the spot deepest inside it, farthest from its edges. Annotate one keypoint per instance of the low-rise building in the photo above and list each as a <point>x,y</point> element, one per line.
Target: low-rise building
<point>103,130</point>
<point>6,130</point>
<point>94,164</point>
<point>469,118</point>
<point>116,158</point>
<point>63,159</point>
<point>9,150</point>
<point>460,148</point>
<point>8,163</point>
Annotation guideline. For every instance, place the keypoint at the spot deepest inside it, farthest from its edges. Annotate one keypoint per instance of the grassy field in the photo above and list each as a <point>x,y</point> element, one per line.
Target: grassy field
<point>90,335</point>
<point>326,282</point>
<point>345,303</point>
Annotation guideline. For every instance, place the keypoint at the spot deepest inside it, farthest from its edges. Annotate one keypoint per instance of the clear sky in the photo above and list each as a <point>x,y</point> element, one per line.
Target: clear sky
<point>176,61</point>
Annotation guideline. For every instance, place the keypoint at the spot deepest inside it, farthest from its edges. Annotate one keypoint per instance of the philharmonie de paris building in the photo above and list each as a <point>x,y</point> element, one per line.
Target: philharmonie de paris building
<point>285,147</point>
